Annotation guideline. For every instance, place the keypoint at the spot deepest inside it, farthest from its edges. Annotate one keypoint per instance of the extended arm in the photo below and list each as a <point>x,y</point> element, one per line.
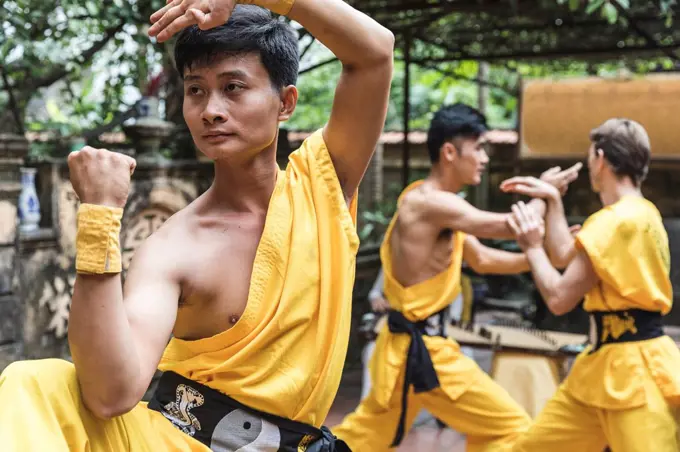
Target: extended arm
<point>448,210</point>
<point>559,241</point>
<point>561,292</point>
<point>365,49</point>
<point>485,260</point>
<point>551,186</point>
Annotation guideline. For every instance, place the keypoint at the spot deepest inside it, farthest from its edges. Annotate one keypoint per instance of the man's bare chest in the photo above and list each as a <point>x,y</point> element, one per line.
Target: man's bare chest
<point>216,283</point>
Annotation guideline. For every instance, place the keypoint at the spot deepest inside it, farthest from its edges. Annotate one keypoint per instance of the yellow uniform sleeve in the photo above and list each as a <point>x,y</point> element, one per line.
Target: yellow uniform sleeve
<point>313,160</point>
<point>628,249</point>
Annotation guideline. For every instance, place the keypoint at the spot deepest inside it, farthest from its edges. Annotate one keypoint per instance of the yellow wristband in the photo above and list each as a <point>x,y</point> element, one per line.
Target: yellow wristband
<point>97,240</point>
<point>281,7</point>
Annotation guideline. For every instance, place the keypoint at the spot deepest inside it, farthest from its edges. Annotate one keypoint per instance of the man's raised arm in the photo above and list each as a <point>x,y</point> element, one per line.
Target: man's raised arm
<point>365,49</point>
<point>116,337</point>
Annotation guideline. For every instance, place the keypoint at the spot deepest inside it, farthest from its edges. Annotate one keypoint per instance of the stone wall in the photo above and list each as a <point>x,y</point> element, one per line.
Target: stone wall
<point>13,150</point>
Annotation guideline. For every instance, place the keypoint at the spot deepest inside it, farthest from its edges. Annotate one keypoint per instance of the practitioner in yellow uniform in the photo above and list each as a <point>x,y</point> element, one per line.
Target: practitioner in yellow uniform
<point>253,280</point>
<point>414,365</point>
<point>624,389</point>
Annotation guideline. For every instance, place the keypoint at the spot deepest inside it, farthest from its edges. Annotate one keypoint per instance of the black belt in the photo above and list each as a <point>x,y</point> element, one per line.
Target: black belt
<point>223,424</point>
<point>631,325</point>
<point>420,371</point>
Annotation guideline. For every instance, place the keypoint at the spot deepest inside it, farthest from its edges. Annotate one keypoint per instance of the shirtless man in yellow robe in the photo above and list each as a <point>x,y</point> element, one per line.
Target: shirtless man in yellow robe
<point>414,365</point>
<point>624,389</point>
<point>253,280</point>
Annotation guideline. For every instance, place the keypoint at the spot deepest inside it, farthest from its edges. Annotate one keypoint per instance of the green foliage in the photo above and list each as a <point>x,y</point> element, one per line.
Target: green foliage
<point>71,41</point>
<point>89,60</point>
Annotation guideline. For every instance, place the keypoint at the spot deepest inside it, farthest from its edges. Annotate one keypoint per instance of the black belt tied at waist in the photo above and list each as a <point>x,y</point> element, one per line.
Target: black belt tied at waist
<point>420,371</point>
<point>631,325</point>
<point>225,425</point>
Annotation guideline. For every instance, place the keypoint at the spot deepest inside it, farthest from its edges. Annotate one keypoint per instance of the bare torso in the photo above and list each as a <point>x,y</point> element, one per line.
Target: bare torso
<point>214,253</point>
<point>420,249</point>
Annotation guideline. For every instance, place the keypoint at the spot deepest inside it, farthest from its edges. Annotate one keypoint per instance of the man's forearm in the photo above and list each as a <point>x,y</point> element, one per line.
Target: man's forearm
<point>356,39</point>
<point>559,242</point>
<point>500,262</point>
<point>102,346</point>
<point>539,206</point>
<point>546,277</point>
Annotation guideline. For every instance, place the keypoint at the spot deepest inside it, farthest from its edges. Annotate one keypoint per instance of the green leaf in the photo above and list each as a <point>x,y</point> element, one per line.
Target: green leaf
<point>574,5</point>
<point>87,86</point>
<point>610,13</point>
<point>593,6</point>
<point>54,112</point>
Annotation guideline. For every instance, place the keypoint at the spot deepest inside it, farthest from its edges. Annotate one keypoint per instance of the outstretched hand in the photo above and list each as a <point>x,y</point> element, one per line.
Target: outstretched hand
<point>530,186</point>
<point>527,226</point>
<point>179,14</point>
<point>555,176</point>
<point>561,179</point>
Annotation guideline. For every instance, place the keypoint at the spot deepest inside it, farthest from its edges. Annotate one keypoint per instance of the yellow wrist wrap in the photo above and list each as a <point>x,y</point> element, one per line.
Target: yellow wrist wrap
<point>281,7</point>
<point>97,240</point>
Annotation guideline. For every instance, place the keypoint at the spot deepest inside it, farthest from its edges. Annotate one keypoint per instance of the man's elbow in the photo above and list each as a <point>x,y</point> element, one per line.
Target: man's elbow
<point>388,45</point>
<point>382,48</point>
<point>113,403</point>
<point>557,305</point>
<point>480,266</point>
<point>560,262</point>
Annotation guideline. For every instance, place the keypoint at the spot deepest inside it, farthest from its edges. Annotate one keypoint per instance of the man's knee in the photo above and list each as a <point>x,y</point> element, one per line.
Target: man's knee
<point>45,372</point>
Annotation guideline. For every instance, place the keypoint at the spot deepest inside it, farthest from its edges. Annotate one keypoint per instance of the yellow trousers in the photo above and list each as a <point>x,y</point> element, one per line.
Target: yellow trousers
<point>567,425</point>
<point>485,412</point>
<point>41,410</point>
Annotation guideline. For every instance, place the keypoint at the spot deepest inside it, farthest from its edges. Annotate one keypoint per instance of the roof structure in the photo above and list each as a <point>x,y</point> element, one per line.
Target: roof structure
<point>493,30</point>
<point>429,32</point>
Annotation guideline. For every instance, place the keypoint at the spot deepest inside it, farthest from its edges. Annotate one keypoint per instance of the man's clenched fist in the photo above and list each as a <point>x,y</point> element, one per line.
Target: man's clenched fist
<point>100,176</point>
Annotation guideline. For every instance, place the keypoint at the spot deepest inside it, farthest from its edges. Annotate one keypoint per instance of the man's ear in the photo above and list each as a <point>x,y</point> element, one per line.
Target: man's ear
<point>289,98</point>
<point>448,152</point>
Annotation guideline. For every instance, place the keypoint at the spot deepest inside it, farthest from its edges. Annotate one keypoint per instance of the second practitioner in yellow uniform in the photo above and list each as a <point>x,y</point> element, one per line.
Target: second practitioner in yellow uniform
<point>624,389</point>
<point>414,365</point>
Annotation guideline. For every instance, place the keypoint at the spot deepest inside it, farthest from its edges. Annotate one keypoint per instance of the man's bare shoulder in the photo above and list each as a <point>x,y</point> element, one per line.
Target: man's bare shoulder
<point>171,238</point>
<point>424,201</point>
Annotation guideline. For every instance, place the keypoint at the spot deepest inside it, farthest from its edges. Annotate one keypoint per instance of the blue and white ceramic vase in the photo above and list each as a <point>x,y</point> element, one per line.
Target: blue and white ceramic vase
<point>29,206</point>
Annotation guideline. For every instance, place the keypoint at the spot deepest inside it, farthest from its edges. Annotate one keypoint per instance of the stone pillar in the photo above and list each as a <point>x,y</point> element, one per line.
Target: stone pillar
<point>13,150</point>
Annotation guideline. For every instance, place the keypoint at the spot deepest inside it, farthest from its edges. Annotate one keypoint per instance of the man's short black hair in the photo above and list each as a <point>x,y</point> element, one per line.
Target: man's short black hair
<point>453,121</point>
<point>250,29</point>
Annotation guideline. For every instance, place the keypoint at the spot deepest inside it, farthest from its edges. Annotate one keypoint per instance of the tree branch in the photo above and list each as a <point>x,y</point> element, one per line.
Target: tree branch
<point>61,71</point>
<point>632,23</point>
<point>307,47</point>
<point>317,65</point>
<point>12,101</point>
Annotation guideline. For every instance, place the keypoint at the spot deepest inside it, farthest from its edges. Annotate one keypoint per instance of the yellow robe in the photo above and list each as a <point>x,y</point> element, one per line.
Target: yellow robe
<point>625,394</point>
<point>467,398</point>
<point>284,356</point>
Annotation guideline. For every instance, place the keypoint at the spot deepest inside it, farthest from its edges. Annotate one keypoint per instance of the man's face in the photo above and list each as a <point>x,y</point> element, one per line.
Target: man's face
<point>470,159</point>
<point>231,108</point>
